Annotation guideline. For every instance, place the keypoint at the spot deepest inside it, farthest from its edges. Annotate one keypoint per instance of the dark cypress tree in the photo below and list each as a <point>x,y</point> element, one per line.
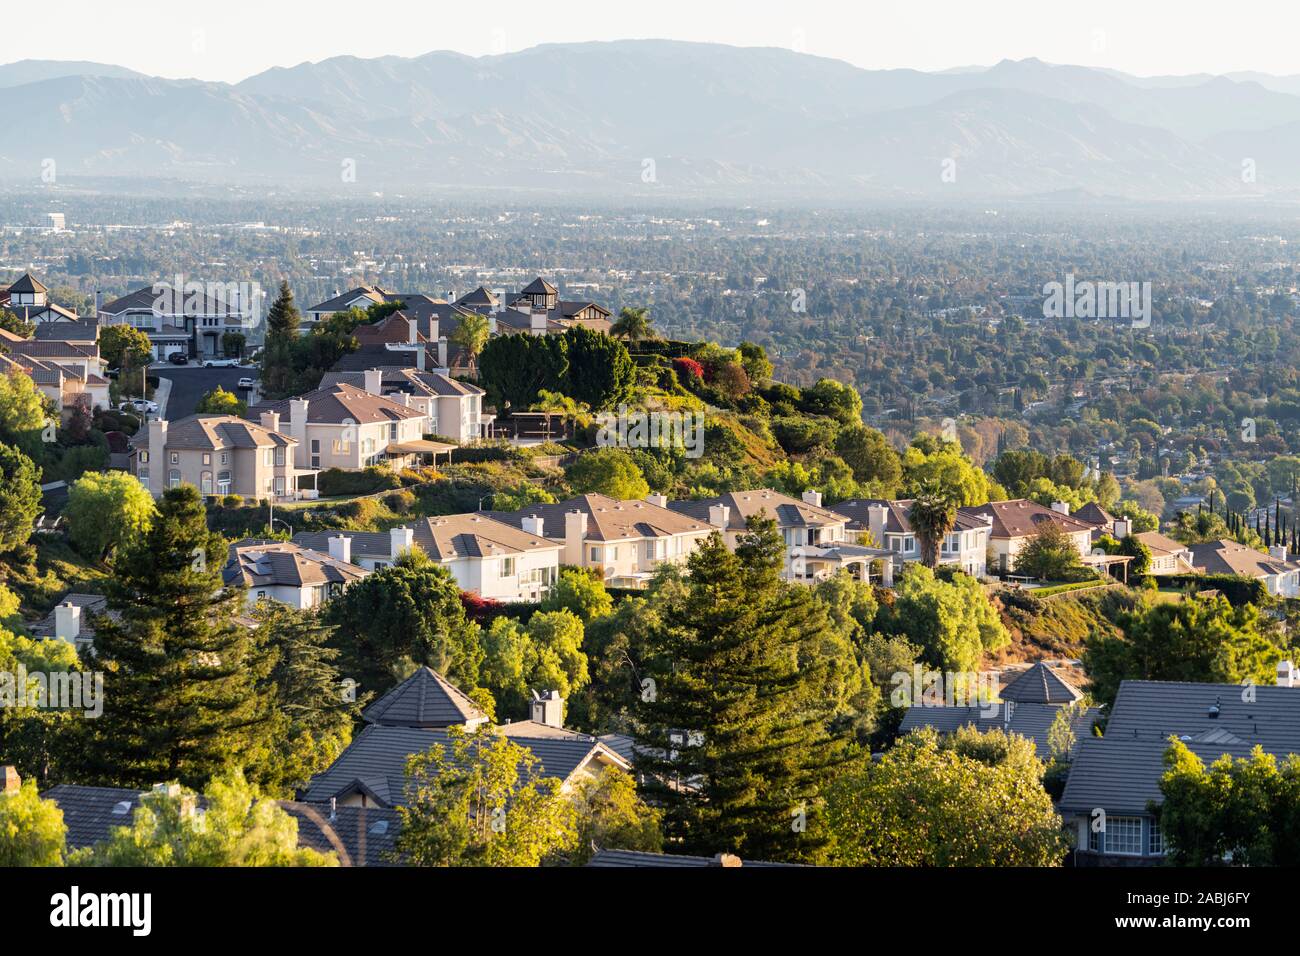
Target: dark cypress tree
<point>736,712</point>
<point>315,709</point>
<point>282,321</point>
<point>182,677</point>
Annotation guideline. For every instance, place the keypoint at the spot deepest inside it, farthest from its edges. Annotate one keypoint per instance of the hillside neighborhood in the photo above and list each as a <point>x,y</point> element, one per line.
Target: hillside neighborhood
<point>414,553</point>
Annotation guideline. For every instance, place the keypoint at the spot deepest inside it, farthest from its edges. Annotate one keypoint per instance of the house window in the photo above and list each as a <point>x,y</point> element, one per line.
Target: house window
<point>595,554</point>
<point>268,457</point>
<point>174,478</point>
<point>507,567</point>
<point>225,457</point>
<point>1156,844</point>
<point>392,432</point>
<point>279,457</point>
<point>207,458</point>
<point>176,458</point>
<point>205,482</point>
<point>1122,836</point>
<point>342,447</point>
<point>144,458</point>
<point>315,446</point>
<point>223,482</point>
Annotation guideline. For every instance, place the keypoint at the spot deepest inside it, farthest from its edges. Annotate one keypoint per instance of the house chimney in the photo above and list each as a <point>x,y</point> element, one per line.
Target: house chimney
<point>399,540</point>
<point>877,516</point>
<point>67,621</point>
<point>271,421</point>
<point>1123,528</point>
<point>719,516</point>
<point>659,501</point>
<point>575,531</point>
<point>412,331</point>
<point>1287,675</point>
<point>726,859</point>
<point>341,548</point>
<point>10,782</point>
<point>298,408</point>
<point>813,498</point>
<point>1060,507</point>
<point>532,524</point>
<point>158,465</point>
<point>1277,552</point>
<point>374,379</point>
<point>442,353</point>
<point>547,708</point>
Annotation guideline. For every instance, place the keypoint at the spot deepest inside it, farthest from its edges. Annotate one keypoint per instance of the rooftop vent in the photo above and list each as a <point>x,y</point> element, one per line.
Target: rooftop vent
<point>1214,709</point>
<point>121,808</point>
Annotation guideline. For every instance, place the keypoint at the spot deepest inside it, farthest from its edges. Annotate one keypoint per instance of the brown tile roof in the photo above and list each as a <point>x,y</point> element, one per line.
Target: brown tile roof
<point>788,512</point>
<point>1230,557</point>
<point>897,520</point>
<point>1020,518</point>
<point>610,519</point>
<point>1094,513</point>
<point>340,401</point>
<point>1159,544</point>
<point>474,536</point>
<point>216,432</point>
<point>254,564</point>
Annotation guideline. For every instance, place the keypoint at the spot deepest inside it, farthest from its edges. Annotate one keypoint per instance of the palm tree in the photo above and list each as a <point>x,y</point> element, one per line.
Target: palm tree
<point>933,515</point>
<point>472,336</point>
<point>633,325</point>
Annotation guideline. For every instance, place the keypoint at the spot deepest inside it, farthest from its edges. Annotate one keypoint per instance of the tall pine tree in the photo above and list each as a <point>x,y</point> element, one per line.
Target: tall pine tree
<point>282,321</point>
<point>183,680</point>
<point>735,728</point>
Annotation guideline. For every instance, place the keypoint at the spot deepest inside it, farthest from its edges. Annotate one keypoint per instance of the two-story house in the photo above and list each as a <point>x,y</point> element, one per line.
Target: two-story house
<point>218,454</point>
<point>886,524</point>
<point>180,320</point>
<point>343,426</point>
<point>287,573</point>
<point>454,409</point>
<point>1013,524</point>
<point>624,540</point>
<point>490,558</point>
<point>29,299</point>
<point>1114,780</point>
<point>1280,575</point>
<point>817,542</point>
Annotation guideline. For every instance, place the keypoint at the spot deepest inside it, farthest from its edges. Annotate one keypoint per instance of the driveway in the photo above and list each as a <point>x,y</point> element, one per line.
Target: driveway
<point>190,383</point>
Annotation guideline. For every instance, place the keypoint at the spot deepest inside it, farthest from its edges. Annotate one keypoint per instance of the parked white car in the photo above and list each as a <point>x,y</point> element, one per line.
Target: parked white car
<point>245,382</point>
<point>221,363</point>
<point>141,406</point>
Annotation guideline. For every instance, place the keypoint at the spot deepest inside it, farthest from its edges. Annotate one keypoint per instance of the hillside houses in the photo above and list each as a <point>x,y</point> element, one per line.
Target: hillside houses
<point>181,319</point>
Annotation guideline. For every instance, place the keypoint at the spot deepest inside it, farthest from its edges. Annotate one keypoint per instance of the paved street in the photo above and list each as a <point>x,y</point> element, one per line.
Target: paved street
<point>190,383</point>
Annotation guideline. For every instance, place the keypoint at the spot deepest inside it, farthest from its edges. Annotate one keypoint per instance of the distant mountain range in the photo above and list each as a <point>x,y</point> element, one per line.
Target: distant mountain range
<point>664,118</point>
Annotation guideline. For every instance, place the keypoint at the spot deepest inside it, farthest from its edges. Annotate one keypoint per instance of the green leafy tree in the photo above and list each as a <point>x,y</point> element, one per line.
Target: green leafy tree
<point>125,347</point>
<point>835,400</point>
<point>632,324</point>
<point>20,498</point>
<point>107,510</point>
<point>315,709</point>
<point>579,591</point>
<point>963,801</point>
<point>871,457</point>
<point>220,402</point>
<point>481,799</point>
<point>1242,809</point>
<point>545,654</point>
<point>24,414</point>
<point>402,617</point>
<point>10,322</point>
<point>738,707</point>
<point>471,335</point>
<point>181,675</point>
<point>942,466</point>
<point>932,517</point>
<point>608,471</point>
<point>32,832</point>
<point>952,621</point>
<point>600,371</point>
<point>612,816</point>
<point>514,369</point>
<point>238,827</point>
<point>1050,555</point>
<point>1203,640</point>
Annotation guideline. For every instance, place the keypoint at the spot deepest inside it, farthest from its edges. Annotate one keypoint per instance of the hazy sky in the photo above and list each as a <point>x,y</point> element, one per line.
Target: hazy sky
<point>233,39</point>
